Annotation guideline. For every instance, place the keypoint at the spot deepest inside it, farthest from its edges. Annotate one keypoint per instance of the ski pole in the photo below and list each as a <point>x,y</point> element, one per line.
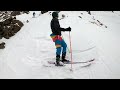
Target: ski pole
<point>67,47</point>
<point>71,51</point>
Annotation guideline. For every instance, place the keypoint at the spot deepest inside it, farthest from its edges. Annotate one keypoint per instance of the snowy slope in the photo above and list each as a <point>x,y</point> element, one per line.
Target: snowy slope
<point>27,53</point>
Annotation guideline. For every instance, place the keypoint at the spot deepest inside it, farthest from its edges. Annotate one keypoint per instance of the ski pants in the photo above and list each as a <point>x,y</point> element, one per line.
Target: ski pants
<point>59,43</point>
<point>60,46</point>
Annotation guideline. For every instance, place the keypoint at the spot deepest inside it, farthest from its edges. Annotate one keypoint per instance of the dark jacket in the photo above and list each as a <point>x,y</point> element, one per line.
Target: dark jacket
<point>55,27</point>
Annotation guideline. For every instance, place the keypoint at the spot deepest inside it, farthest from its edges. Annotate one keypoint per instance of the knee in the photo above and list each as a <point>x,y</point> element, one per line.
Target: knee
<point>59,48</point>
<point>65,45</point>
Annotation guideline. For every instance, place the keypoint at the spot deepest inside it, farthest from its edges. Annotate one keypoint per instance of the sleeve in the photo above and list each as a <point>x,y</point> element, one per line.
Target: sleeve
<point>57,26</point>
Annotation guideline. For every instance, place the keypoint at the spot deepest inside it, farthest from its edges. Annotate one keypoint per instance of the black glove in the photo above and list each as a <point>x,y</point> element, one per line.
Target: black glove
<point>68,29</point>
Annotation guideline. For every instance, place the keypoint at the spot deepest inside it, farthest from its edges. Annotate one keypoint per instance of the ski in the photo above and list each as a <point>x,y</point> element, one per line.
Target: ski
<point>53,66</point>
<point>89,61</point>
<point>82,64</point>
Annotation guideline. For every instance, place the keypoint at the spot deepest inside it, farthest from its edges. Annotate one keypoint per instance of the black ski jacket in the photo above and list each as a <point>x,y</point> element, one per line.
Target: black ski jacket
<point>55,27</point>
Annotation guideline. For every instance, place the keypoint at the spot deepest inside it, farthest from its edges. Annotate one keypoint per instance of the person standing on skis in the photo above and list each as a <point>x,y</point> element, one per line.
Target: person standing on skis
<point>59,42</point>
<point>33,14</point>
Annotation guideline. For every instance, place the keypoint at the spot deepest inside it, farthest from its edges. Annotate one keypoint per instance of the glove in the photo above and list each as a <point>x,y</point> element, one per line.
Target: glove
<point>68,29</point>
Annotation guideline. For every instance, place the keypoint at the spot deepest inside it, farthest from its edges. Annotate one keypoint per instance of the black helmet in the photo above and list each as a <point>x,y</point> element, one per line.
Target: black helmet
<point>55,14</point>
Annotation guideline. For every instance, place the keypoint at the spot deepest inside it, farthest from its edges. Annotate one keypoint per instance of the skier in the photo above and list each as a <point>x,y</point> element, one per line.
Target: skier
<point>33,14</point>
<point>59,42</point>
<point>27,21</point>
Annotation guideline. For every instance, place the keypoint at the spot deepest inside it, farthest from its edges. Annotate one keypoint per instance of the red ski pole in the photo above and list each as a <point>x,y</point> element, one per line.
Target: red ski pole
<point>71,51</point>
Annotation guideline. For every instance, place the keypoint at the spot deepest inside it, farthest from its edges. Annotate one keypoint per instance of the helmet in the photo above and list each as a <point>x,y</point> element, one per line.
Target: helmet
<point>55,14</point>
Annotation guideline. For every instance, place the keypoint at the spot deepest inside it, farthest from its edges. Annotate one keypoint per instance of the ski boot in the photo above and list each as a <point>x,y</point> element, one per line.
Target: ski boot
<point>58,61</point>
<point>63,58</point>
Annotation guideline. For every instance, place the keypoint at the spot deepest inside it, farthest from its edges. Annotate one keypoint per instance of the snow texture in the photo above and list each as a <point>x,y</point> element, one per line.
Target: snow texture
<point>26,54</point>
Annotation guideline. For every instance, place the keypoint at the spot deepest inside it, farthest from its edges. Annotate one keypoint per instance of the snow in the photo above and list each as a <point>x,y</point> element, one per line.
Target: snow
<point>27,53</point>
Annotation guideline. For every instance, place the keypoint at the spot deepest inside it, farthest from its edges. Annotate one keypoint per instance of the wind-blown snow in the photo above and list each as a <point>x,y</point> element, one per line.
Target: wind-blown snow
<point>27,53</point>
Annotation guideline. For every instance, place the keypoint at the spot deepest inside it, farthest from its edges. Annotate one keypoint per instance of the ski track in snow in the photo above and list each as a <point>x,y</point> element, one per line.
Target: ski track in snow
<point>26,54</point>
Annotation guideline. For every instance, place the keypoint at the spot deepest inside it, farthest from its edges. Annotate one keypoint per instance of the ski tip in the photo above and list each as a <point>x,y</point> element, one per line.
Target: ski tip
<point>86,65</point>
<point>50,62</point>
